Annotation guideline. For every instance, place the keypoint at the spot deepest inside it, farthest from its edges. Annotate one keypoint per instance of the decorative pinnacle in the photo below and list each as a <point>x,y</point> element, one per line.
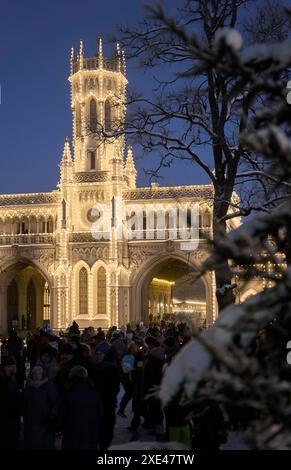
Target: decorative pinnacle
<point>100,53</point>
<point>123,62</point>
<point>72,58</point>
<point>81,54</point>
<point>118,56</point>
<point>130,165</point>
<point>67,157</point>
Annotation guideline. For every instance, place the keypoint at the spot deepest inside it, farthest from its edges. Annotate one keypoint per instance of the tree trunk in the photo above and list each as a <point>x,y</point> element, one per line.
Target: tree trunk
<point>223,276</point>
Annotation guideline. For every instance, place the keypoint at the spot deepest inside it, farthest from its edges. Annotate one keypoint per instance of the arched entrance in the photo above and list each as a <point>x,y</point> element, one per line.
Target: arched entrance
<point>169,285</point>
<point>12,304</point>
<point>25,296</point>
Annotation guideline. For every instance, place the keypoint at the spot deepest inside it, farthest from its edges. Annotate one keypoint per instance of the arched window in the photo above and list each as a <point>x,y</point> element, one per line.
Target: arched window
<point>92,159</point>
<point>83,292</point>
<point>101,291</point>
<point>206,219</point>
<point>50,225</point>
<point>46,302</point>
<point>93,115</point>
<point>108,117</point>
<point>78,120</point>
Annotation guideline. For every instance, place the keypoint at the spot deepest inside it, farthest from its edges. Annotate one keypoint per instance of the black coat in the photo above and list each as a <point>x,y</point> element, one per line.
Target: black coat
<point>153,371</point>
<point>9,413</point>
<point>40,409</point>
<point>107,381</point>
<point>81,417</point>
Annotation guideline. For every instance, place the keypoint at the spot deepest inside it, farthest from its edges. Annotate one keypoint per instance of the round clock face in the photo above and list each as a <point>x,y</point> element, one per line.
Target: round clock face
<point>93,215</point>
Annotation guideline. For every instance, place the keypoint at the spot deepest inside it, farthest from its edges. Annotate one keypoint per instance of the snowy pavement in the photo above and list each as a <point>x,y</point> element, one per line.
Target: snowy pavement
<point>122,435</point>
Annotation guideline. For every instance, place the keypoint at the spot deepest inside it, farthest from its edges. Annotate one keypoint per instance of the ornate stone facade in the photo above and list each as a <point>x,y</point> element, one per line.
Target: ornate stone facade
<point>53,237</point>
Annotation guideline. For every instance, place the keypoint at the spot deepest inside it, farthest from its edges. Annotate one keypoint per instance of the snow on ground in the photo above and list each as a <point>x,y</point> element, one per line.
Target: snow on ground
<point>123,436</point>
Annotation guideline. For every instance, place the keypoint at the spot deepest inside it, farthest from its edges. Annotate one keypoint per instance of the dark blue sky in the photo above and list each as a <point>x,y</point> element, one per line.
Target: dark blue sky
<point>35,41</point>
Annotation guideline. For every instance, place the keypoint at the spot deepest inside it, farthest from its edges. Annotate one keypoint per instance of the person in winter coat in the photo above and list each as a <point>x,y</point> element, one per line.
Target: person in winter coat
<point>65,365</point>
<point>74,329</point>
<point>9,405</point>
<point>48,362</point>
<point>153,370</point>
<point>137,399</point>
<point>81,413</point>
<point>127,367</point>
<point>107,382</point>
<point>15,348</point>
<point>40,410</point>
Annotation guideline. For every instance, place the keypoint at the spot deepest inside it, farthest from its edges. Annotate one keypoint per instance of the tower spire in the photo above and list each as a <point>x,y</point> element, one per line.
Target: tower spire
<point>72,60</point>
<point>100,53</point>
<point>67,157</point>
<point>118,57</point>
<point>123,62</point>
<point>66,165</point>
<point>81,55</point>
<point>129,169</point>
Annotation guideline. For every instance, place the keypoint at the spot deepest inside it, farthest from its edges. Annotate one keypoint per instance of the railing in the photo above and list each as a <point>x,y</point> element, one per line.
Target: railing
<point>156,234</point>
<point>27,239</point>
<point>92,63</point>
<point>170,234</point>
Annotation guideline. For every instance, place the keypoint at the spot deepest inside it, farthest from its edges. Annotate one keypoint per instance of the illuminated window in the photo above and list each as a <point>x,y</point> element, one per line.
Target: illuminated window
<point>93,115</point>
<point>46,303</point>
<point>101,291</point>
<point>83,292</point>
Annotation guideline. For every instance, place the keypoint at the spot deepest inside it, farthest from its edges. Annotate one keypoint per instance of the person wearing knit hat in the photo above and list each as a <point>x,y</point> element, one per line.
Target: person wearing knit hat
<point>78,373</point>
<point>101,351</point>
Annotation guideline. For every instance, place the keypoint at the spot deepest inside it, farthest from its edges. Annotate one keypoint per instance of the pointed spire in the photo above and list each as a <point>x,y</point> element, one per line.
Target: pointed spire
<point>100,53</point>
<point>129,160</point>
<point>123,62</point>
<point>129,169</point>
<point>118,53</point>
<point>72,60</point>
<point>66,165</point>
<point>67,157</point>
<point>81,55</point>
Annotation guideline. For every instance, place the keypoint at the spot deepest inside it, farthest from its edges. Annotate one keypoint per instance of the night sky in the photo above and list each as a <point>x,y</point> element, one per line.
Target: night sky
<point>35,117</point>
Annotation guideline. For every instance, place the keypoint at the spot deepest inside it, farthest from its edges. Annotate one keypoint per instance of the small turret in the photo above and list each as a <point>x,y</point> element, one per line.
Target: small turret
<point>129,169</point>
<point>72,60</point>
<point>81,55</point>
<point>100,53</point>
<point>66,165</point>
<point>118,54</point>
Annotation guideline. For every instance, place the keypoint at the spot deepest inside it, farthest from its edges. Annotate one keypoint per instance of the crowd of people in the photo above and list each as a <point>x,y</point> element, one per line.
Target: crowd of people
<point>66,388</point>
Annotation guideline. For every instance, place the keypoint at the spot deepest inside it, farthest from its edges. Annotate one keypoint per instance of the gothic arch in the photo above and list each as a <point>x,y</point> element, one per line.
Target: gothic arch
<point>15,269</point>
<point>95,289</point>
<point>76,287</point>
<point>93,114</point>
<point>139,282</point>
